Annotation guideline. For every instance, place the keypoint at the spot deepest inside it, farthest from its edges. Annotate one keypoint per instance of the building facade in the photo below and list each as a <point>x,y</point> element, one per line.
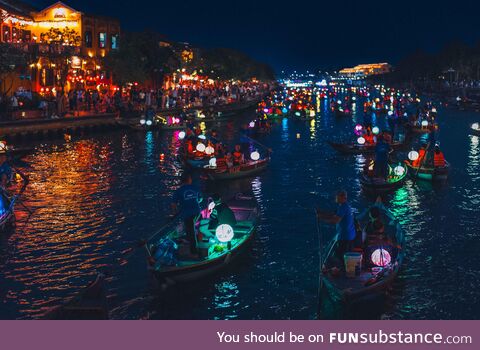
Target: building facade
<point>364,70</point>
<point>64,46</point>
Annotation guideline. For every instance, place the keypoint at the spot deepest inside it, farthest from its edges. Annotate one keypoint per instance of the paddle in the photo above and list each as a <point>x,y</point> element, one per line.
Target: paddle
<point>143,242</point>
<point>260,144</point>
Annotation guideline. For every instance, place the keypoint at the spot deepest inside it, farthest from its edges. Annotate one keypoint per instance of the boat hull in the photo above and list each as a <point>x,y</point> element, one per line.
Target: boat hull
<point>360,149</point>
<point>249,170</point>
<point>429,174</point>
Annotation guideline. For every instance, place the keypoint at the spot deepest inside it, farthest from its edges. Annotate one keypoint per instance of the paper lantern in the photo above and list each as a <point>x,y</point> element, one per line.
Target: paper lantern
<point>212,162</point>
<point>209,150</point>
<point>224,233</point>
<point>376,130</point>
<point>255,155</point>
<point>381,257</point>
<point>200,147</point>
<point>361,140</point>
<point>181,135</point>
<point>413,155</point>
<point>399,170</point>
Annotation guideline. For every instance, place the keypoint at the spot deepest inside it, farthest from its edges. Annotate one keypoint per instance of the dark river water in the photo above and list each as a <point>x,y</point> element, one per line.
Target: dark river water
<point>93,197</point>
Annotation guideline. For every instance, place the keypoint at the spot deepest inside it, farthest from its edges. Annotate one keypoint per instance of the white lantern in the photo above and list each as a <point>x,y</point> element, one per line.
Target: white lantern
<point>399,170</point>
<point>224,233</point>
<point>425,123</point>
<point>361,140</point>
<point>142,121</point>
<point>381,257</point>
<point>3,146</point>
<point>149,122</point>
<point>475,126</point>
<point>413,155</point>
<point>251,124</point>
<point>390,113</point>
<point>255,155</point>
<point>202,137</point>
<point>376,130</point>
<point>209,150</point>
<point>181,135</point>
<point>212,162</point>
<point>200,147</point>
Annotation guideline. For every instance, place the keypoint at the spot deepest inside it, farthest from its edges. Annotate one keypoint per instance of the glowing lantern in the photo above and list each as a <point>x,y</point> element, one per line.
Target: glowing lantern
<point>211,206</point>
<point>475,126</point>
<point>265,110</point>
<point>425,123</point>
<point>200,147</point>
<point>209,150</point>
<point>224,233</point>
<point>375,130</point>
<point>149,122</point>
<point>358,127</point>
<point>181,135</point>
<point>3,146</point>
<point>399,170</point>
<point>284,110</point>
<point>339,102</point>
<point>142,121</point>
<point>434,110</point>
<point>252,124</point>
<point>202,137</point>
<point>212,162</point>
<point>381,257</point>
<point>361,140</point>
<point>390,113</point>
<point>413,155</point>
<point>255,155</point>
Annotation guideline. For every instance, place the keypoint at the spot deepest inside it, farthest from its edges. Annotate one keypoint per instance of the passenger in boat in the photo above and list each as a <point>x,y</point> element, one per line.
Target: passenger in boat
<point>238,157</point>
<point>6,172</point>
<point>438,158</point>
<point>343,219</point>
<point>369,137</point>
<point>185,203</point>
<point>421,155</point>
<point>229,159</point>
<point>382,150</point>
<point>221,214</point>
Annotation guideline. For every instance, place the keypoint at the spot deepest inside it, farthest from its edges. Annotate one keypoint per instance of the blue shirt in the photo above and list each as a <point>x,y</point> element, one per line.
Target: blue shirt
<point>346,226</point>
<point>187,197</point>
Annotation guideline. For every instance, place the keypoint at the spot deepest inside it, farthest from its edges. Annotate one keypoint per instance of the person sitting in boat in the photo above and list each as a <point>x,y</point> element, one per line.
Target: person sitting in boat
<point>6,172</point>
<point>221,214</point>
<point>369,137</point>
<point>344,221</point>
<point>186,203</point>
<point>438,158</point>
<point>421,155</point>
<point>382,150</point>
<point>238,157</point>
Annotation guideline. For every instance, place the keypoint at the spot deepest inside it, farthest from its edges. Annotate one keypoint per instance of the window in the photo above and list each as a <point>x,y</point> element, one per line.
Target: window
<point>102,40</point>
<point>88,38</point>
<point>114,41</point>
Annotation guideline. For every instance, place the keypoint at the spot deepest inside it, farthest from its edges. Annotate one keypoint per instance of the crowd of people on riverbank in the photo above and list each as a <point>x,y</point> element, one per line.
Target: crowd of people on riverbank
<point>77,102</point>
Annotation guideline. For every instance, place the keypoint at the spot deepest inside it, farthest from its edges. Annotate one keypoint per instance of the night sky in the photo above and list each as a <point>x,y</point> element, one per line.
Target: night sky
<point>300,35</point>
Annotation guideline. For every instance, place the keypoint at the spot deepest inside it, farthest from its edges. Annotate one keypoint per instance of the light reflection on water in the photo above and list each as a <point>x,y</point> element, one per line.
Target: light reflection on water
<point>93,198</point>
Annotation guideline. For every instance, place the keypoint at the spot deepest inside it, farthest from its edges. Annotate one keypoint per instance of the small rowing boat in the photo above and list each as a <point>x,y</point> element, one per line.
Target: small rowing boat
<point>361,149</point>
<point>371,267</point>
<point>236,172</point>
<point>219,247</point>
<point>379,185</point>
<point>89,304</point>
<point>428,173</point>
<point>7,211</point>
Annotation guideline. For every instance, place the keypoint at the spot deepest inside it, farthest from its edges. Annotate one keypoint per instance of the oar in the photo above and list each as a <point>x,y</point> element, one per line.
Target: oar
<point>143,242</point>
<point>260,144</point>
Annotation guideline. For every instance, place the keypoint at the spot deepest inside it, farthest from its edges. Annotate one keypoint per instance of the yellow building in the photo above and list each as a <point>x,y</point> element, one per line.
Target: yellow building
<point>363,70</point>
<point>64,45</point>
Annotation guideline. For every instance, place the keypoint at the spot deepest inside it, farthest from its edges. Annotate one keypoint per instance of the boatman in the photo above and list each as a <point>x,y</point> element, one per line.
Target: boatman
<point>343,219</point>
<point>382,150</point>
<point>186,201</point>
<point>438,158</point>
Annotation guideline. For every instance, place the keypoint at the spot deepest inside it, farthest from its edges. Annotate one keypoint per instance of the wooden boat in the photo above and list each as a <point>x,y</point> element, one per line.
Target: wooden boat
<point>429,173</point>
<point>7,215</point>
<point>418,129</point>
<point>361,149</point>
<point>89,304</point>
<point>197,162</point>
<point>216,255</point>
<point>378,185</point>
<point>244,170</point>
<point>370,279</point>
